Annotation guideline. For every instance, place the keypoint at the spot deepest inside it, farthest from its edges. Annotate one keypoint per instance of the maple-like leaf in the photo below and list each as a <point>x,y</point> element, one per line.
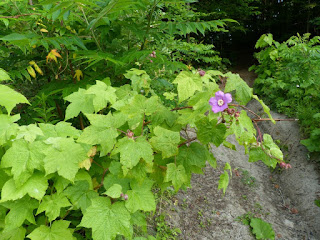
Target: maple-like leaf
<point>165,141</point>
<point>8,127</point>
<point>107,220</point>
<point>13,234</point>
<point>29,133</point>
<point>23,158</point>
<point>20,210</point>
<point>210,131</point>
<point>80,195</point>
<point>188,84</point>
<point>35,187</point>
<point>103,95</point>
<point>79,102</point>
<point>9,98</point>
<point>58,230</point>
<point>114,191</point>
<point>131,151</point>
<point>140,197</point>
<point>51,205</point>
<point>243,92</point>
<point>63,156</point>
<point>139,106</point>
<point>176,174</point>
<point>61,129</point>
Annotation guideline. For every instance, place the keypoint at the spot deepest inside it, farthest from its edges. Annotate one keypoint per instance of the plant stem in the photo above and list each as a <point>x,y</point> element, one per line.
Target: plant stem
<point>92,32</point>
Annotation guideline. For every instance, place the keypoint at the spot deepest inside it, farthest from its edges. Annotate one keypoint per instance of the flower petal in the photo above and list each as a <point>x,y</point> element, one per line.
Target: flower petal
<point>219,95</point>
<point>227,98</point>
<point>213,101</point>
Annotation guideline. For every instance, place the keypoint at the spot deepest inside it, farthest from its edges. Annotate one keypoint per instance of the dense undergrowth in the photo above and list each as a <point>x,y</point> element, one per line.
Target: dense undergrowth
<point>289,80</point>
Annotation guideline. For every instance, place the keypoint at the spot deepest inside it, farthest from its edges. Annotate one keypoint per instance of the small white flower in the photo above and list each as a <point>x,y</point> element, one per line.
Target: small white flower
<point>298,86</point>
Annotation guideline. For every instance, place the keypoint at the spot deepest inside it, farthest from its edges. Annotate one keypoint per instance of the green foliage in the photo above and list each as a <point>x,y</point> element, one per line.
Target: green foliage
<point>43,164</point>
<point>289,80</point>
<point>261,229</point>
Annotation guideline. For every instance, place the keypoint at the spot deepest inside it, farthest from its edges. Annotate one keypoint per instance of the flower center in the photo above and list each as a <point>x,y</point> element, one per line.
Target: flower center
<point>220,102</point>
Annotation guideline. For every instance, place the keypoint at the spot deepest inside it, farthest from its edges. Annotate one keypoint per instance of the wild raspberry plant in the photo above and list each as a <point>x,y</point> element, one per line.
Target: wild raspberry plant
<point>58,182</point>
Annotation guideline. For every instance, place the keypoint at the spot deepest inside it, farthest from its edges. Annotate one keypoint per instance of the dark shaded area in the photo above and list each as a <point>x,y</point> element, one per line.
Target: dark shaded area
<point>282,18</point>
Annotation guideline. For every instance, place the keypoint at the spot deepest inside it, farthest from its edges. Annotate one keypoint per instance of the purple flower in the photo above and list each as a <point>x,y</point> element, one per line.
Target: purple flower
<point>220,101</point>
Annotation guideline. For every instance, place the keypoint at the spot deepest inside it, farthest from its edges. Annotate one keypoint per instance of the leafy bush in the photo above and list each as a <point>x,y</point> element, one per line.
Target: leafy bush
<point>289,79</point>
<point>60,182</point>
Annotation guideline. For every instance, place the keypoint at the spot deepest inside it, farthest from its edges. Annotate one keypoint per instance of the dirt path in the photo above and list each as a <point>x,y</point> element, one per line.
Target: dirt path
<point>284,199</point>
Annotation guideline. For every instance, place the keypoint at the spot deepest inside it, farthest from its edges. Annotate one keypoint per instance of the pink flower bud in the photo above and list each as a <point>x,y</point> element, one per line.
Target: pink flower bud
<point>154,52</point>
<point>282,164</point>
<point>288,166</point>
<point>201,72</point>
<point>121,195</point>
<point>151,61</point>
<point>130,134</point>
<point>237,114</point>
<point>125,197</point>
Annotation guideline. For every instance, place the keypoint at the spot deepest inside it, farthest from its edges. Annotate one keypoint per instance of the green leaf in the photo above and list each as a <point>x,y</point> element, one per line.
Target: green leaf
<point>188,84</point>
<point>265,108</point>
<point>103,95</point>
<point>140,197</point>
<point>139,79</point>
<point>63,156</point>
<point>107,220</point>
<point>79,102</point>
<point>51,205</point>
<point>257,154</point>
<point>137,107</point>
<point>210,131</point>
<point>177,175</point>
<point>20,210</point>
<point>29,133</point>
<point>243,92</point>
<point>23,158</point>
<point>102,131</point>
<point>35,186</point>
<point>80,195</point>
<point>61,129</point>
<point>4,76</point>
<point>58,230</point>
<point>8,127</point>
<point>131,151</point>
<point>262,229</point>
<point>243,129</point>
<point>165,141</point>
<point>13,234</point>
<point>106,137</point>
<point>193,155</point>
<point>114,191</point>
<point>9,98</point>
<point>224,181</point>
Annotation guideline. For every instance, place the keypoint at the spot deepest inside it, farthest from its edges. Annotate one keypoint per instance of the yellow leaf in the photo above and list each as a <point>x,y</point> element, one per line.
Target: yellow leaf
<point>31,71</point>
<point>92,152</point>
<point>44,30</point>
<point>78,74</point>
<point>85,164</point>
<point>36,67</point>
<point>53,54</point>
